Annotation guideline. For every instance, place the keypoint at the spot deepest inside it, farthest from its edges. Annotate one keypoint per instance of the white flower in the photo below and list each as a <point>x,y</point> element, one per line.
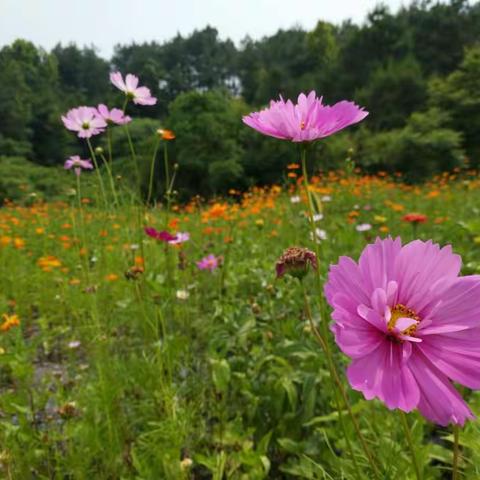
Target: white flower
<point>182,294</point>
<point>74,344</point>
<point>319,234</point>
<point>295,199</point>
<point>317,217</point>
<point>326,198</point>
<point>363,227</point>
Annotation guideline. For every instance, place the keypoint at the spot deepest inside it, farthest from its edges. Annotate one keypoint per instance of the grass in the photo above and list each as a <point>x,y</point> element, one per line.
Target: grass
<point>130,362</point>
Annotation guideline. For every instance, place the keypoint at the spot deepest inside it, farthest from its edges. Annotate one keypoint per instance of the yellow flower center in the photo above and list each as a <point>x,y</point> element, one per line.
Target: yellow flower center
<point>401,311</point>
<point>302,125</point>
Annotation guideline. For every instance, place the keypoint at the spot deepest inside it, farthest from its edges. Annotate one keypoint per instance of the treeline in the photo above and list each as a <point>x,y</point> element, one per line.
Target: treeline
<point>417,71</point>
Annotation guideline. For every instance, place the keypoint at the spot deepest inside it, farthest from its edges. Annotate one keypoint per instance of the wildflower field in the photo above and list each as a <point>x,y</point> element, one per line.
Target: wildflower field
<point>122,358</point>
<point>312,329</point>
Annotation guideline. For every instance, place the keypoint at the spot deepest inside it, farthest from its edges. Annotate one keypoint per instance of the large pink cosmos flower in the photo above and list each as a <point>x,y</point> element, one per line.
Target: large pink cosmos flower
<point>139,95</point>
<point>305,121</point>
<point>113,116</point>
<point>410,325</point>
<point>85,121</point>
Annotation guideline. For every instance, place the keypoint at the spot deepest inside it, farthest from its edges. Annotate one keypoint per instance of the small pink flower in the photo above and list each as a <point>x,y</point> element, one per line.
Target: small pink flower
<point>180,237</point>
<point>411,326</point>
<point>210,262</point>
<point>167,237</point>
<point>305,121</point>
<point>78,164</point>
<point>139,95</point>
<point>85,121</point>
<point>113,116</point>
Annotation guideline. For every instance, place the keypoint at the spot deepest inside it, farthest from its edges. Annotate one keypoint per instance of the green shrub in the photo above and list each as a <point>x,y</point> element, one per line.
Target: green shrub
<point>21,180</point>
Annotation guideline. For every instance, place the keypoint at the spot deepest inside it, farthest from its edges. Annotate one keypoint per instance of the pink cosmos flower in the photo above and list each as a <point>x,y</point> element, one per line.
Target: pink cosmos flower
<point>139,95</point>
<point>305,121</point>
<point>180,237</point>
<point>210,262</point>
<point>78,164</point>
<point>411,326</point>
<point>113,116</point>
<point>85,121</point>
<point>167,237</point>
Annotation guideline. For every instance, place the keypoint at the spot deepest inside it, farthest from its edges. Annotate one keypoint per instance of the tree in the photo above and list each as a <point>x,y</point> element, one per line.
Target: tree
<point>207,150</point>
<point>459,95</point>
<point>393,92</point>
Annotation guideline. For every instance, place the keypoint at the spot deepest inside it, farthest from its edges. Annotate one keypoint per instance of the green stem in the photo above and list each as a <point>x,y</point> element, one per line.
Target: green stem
<point>132,149</point>
<point>110,177</point>
<point>456,452</point>
<point>308,312</point>
<point>323,339</point>
<point>408,436</point>
<point>109,146</point>
<point>133,155</point>
<point>152,171</point>
<point>100,179</point>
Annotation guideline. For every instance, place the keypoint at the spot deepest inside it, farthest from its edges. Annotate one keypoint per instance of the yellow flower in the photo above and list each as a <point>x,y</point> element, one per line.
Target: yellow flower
<point>379,219</point>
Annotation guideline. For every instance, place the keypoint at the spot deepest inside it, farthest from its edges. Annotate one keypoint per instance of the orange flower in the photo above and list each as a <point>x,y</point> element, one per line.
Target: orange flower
<point>173,223</point>
<point>9,321</point>
<point>293,166</point>
<point>292,175</point>
<point>19,243</point>
<point>111,277</point>
<point>165,134</point>
<point>4,241</point>
<point>48,263</point>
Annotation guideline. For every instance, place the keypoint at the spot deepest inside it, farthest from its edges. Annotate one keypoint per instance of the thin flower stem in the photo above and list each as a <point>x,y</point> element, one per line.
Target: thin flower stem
<point>152,171</point>
<point>109,143</point>
<point>134,156</point>
<point>338,382</point>
<point>308,312</point>
<point>110,177</point>
<point>100,179</point>
<point>132,149</point>
<point>456,452</point>
<point>323,339</point>
<point>408,435</point>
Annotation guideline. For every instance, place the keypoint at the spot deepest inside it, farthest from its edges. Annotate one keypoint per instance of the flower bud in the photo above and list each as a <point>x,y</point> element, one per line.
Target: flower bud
<point>98,150</point>
<point>296,261</point>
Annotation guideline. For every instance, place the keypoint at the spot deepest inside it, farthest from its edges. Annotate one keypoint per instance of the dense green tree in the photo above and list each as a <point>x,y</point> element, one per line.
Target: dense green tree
<point>422,62</point>
<point>29,100</point>
<point>207,148</point>
<point>83,75</point>
<point>393,92</point>
<point>459,95</point>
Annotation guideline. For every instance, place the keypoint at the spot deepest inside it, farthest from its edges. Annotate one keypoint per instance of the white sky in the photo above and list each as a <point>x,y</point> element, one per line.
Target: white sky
<point>105,23</point>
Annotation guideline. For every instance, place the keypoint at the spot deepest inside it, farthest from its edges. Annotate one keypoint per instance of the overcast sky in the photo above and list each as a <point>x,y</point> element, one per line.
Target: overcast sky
<point>105,23</point>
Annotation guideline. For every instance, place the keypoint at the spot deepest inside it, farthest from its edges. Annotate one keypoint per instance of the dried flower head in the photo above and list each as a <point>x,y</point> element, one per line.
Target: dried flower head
<point>296,261</point>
